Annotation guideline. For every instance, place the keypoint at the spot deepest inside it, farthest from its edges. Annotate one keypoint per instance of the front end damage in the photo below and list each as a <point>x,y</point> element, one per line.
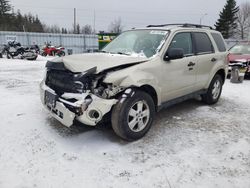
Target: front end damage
<point>87,108</point>
<point>78,96</point>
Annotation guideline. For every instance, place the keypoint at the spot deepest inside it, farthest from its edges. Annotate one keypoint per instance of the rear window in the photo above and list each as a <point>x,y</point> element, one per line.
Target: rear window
<point>219,42</point>
<point>202,43</point>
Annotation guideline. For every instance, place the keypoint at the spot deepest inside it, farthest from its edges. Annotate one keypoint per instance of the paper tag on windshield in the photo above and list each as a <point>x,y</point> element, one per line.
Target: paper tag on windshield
<point>158,32</point>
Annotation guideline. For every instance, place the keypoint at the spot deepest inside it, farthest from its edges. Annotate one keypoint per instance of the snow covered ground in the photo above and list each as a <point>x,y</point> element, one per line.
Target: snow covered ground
<point>189,145</point>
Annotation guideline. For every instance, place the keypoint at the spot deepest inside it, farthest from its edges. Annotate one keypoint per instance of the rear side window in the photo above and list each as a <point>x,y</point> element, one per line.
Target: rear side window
<point>219,42</point>
<point>202,43</point>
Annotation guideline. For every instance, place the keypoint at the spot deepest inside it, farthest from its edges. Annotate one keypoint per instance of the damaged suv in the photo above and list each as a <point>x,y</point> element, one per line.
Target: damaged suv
<point>136,75</point>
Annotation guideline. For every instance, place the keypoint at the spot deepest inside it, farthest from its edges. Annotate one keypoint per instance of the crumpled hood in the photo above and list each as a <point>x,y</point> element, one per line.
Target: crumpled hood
<point>102,61</point>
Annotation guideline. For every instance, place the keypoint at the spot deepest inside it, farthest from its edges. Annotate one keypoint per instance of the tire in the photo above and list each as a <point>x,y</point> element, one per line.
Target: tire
<point>62,53</point>
<point>127,126</point>
<point>32,59</point>
<point>214,91</point>
<point>44,54</point>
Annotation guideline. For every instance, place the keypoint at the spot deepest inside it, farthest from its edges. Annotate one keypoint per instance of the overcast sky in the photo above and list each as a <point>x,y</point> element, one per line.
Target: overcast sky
<point>136,13</point>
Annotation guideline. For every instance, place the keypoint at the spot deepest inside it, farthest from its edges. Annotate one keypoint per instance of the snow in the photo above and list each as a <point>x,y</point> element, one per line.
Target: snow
<point>189,145</point>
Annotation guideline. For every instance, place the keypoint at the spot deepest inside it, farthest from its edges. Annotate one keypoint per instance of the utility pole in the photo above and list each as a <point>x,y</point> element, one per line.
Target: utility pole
<point>74,20</point>
<point>94,23</point>
<point>201,18</point>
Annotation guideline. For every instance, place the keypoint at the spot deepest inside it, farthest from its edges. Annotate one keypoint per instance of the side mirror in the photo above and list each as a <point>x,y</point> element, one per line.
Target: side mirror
<point>174,53</point>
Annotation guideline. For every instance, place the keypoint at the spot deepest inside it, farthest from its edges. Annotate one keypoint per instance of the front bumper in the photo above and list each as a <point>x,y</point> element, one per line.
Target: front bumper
<point>90,108</point>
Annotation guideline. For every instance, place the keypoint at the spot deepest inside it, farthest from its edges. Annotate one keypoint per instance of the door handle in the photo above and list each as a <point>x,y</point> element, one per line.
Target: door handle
<point>190,64</point>
<point>213,59</point>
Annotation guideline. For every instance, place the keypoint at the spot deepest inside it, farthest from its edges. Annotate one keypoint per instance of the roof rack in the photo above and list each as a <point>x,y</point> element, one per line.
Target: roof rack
<point>182,25</point>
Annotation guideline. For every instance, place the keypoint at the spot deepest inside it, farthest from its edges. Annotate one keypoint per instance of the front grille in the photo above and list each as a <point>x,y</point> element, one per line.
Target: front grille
<point>62,81</point>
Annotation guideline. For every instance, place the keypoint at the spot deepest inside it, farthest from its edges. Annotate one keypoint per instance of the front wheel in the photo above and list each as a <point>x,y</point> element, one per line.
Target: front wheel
<point>32,58</point>
<point>44,54</point>
<point>214,91</point>
<point>8,56</point>
<point>133,117</point>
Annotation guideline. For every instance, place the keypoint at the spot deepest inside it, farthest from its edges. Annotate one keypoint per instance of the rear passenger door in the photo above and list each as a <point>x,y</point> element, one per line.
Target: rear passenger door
<point>206,58</point>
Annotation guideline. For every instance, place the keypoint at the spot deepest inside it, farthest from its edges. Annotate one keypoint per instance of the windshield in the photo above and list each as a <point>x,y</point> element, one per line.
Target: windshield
<point>137,42</point>
<point>240,49</point>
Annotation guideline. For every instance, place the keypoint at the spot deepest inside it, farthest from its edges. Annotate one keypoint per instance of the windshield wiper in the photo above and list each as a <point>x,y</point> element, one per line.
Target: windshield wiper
<point>102,51</point>
<point>122,53</point>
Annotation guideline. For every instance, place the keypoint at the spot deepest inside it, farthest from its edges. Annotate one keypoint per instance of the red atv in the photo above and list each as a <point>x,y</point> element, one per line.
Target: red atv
<point>53,50</point>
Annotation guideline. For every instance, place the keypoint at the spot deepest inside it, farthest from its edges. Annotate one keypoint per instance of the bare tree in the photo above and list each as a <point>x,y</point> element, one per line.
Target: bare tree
<point>51,28</point>
<point>243,20</point>
<point>116,26</point>
<point>87,29</point>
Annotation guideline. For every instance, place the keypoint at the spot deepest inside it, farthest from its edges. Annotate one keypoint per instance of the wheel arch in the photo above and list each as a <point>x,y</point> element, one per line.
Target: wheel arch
<point>222,73</point>
<point>152,92</point>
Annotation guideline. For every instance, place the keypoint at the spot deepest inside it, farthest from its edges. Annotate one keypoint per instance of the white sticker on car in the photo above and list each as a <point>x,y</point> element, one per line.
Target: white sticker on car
<point>158,32</point>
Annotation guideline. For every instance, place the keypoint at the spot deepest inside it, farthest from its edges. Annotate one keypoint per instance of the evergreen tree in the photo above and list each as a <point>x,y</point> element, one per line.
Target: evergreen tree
<point>15,21</point>
<point>78,29</point>
<point>64,31</point>
<point>5,14</point>
<point>37,25</point>
<point>226,24</point>
<point>11,21</point>
<point>19,21</point>
<point>5,7</point>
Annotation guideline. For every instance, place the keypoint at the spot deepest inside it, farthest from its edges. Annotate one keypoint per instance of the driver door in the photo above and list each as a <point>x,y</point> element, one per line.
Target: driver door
<point>179,75</point>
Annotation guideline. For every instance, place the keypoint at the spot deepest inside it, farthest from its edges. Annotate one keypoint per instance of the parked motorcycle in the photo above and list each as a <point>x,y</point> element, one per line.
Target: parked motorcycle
<point>15,50</point>
<point>35,48</point>
<point>53,50</point>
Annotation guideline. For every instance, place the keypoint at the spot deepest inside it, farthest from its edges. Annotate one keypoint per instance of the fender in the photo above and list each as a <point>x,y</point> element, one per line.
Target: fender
<point>126,79</point>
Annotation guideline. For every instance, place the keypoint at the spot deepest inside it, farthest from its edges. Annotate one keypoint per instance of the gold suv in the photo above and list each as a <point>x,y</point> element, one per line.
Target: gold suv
<point>136,75</point>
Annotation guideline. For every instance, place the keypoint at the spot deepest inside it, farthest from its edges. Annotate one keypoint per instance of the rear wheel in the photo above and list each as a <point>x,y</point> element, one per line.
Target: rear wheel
<point>133,117</point>
<point>62,53</point>
<point>214,91</point>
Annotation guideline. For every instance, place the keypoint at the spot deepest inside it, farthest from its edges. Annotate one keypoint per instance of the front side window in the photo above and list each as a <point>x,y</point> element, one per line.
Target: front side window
<point>183,41</point>
<point>137,42</point>
<point>202,43</point>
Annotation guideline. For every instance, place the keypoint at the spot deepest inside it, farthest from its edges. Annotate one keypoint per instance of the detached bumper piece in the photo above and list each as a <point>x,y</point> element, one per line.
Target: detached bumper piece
<point>86,107</point>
